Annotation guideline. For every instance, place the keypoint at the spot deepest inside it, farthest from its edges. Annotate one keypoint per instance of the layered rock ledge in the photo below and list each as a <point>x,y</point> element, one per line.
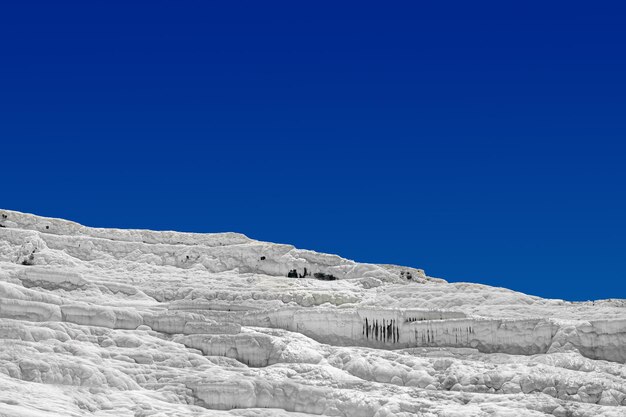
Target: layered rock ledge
<point>142,323</point>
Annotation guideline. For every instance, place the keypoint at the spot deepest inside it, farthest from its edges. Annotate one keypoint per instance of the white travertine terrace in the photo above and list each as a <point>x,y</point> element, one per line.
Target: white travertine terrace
<point>110,322</point>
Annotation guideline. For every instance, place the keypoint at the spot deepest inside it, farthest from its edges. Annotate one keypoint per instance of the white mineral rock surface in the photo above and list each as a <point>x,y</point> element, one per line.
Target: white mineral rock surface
<point>107,322</point>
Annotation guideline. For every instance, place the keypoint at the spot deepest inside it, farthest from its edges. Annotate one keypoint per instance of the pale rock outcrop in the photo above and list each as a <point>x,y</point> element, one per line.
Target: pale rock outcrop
<point>117,322</point>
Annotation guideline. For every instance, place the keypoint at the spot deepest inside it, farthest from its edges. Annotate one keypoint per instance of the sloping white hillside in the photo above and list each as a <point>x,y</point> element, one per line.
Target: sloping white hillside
<point>110,322</point>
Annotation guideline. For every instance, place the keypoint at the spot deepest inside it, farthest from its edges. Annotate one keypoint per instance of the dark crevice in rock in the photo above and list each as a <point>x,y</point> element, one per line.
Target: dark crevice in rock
<point>324,277</point>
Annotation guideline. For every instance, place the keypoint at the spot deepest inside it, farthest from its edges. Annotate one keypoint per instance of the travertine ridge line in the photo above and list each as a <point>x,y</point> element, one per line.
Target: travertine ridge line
<point>119,322</point>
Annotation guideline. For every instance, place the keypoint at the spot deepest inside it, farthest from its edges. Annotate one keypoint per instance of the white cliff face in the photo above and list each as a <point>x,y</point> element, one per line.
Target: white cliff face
<point>111,322</point>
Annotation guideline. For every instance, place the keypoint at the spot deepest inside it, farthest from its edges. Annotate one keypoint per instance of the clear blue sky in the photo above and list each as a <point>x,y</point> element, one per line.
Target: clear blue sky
<point>481,141</point>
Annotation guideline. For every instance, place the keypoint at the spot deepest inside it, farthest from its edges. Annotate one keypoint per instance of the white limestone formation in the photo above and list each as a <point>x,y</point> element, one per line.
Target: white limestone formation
<point>110,322</point>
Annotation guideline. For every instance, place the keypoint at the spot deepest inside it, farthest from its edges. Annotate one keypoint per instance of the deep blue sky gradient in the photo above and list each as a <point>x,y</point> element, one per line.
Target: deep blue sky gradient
<point>481,141</point>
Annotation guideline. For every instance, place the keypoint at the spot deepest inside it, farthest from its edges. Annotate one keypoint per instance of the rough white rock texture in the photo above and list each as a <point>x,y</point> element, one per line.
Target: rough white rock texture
<point>109,322</point>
